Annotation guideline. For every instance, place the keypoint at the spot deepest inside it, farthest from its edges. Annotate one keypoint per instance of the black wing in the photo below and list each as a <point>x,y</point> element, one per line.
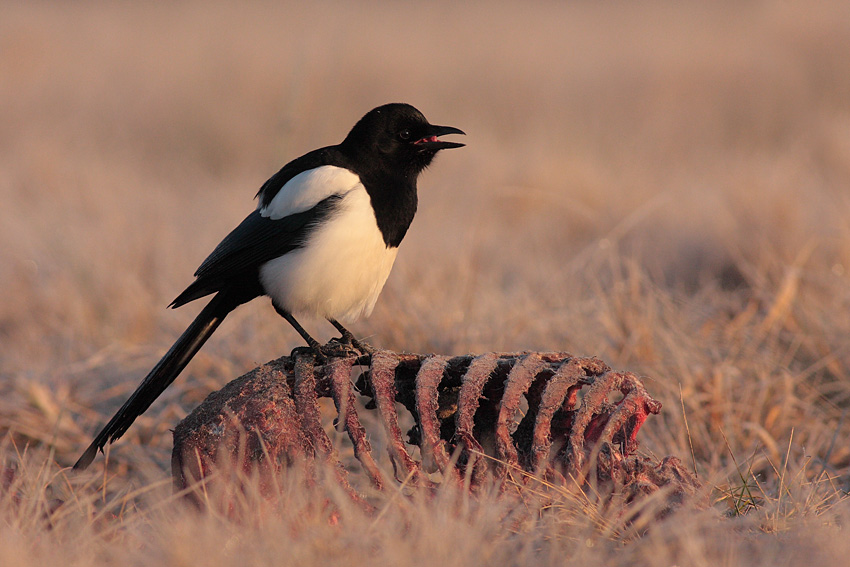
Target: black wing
<point>257,239</point>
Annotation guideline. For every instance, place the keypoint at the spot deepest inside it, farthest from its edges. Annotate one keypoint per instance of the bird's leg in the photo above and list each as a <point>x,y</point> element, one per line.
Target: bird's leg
<point>314,344</point>
<point>348,338</point>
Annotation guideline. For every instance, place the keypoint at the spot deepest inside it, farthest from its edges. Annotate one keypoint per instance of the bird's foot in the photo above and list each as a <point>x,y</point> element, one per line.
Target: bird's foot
<point>316,352</point>
<point>363,347</point>
<point>336,348</point>
<point>359,347</point>
<point>340,348</point>
<point>348,339</point>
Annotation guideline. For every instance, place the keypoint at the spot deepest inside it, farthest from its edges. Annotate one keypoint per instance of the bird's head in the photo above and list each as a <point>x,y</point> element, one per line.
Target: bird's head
<point>399,137</point>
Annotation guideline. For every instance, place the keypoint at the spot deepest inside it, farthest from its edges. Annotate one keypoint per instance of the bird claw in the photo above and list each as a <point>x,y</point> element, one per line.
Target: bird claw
<point>354,346</point>
<point>316,352</point>
<point>335,348</point>
<point>362,347</point>
<point>340,348</point>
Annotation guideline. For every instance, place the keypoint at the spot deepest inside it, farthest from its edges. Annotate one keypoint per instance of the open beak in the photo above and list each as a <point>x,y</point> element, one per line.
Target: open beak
<point>431,141</point>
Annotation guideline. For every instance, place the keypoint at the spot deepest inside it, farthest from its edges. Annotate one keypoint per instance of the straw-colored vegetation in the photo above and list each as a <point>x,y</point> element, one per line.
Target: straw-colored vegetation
<point>665,185</point>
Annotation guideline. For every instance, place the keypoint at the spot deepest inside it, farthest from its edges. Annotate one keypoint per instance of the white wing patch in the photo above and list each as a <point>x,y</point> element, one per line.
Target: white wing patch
<point>307,189</point>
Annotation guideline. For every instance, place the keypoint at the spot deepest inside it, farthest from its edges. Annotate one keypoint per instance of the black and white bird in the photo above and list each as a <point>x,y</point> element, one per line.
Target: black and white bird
<point>321,242</point>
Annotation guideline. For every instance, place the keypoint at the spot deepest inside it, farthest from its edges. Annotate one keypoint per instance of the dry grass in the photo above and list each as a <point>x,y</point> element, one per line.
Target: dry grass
<point>663,185</point>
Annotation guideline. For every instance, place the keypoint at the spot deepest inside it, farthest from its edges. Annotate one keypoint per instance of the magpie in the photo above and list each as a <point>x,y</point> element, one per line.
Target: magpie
<point>321,242</point>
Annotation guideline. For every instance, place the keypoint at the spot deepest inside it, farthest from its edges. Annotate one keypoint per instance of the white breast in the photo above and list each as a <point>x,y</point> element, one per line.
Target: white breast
<point>340,271</point>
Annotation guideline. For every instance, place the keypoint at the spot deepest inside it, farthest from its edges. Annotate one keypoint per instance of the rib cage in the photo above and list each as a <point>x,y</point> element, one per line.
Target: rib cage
<point>478,400</point>
<point>467,411</point>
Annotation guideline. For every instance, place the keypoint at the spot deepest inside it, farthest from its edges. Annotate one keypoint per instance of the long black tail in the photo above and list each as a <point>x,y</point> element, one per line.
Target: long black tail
<point>163,374</point>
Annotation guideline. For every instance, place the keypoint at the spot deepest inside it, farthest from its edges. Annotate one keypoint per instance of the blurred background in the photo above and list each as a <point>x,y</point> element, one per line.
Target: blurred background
<point>661,184</point>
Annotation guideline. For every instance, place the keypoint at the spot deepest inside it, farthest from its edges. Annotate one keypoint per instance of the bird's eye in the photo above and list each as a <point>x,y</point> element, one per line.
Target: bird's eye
<point>404,134</point>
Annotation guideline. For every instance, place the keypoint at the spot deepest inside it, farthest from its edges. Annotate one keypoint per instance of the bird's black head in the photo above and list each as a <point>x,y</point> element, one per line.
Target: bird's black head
<point>397,137</point>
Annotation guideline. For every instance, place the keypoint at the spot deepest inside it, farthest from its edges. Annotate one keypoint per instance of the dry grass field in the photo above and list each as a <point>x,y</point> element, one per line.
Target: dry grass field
<point>665,185</point>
